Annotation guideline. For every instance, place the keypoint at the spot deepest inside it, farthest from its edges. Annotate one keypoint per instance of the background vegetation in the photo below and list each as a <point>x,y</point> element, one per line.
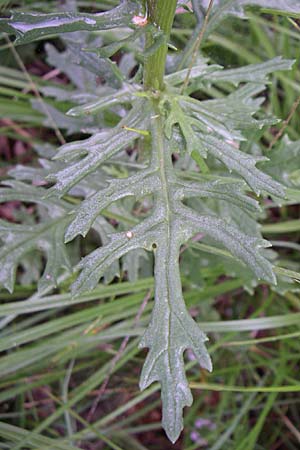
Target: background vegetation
<point>70,367</point>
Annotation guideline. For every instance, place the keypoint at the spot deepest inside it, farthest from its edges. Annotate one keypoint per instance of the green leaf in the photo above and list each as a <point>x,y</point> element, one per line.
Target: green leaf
<point>157,35</point>
<point>284,163</point>
<point>82,67</point>
<point>123,95</point>
<point>22,239</point>
<point>94,151</point>
<point>55,116</point>
<point>138,185</point>
<point>213,126</point>
<point>219,190</point>
<point>169,225</point>
<point>225,8</point>
<point>246,248</point>
<point>203,74</point>
<point>244,165</point>
<point>166,234</point>
<point>255,73</point>
<point>135,262</point>
<point>29,27</point>
<point>177,207</point>
<point>171,332</point>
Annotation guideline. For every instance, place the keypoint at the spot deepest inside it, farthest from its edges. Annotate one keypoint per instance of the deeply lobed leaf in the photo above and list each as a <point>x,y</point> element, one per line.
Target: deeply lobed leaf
<point>170,122</point>
<point>169,225</point>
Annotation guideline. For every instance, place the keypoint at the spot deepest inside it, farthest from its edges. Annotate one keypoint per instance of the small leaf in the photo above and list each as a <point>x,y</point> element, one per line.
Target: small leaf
<point>175,116</point>
<point>13,190</point>
<point>99,67</point>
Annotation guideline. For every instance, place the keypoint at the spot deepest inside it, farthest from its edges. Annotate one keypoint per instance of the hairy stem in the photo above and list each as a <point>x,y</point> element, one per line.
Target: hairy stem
<point>160,14</point>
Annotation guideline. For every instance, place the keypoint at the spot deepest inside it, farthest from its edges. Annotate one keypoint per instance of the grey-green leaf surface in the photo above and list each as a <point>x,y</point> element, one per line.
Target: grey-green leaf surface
<point>44,236</point>
<point>173,121</point>
<point>225,8</point>
<point>169,225</point>
<point>21,239</point>
<point>177,208</point>
<point>283,164</point>
<point>212,73</point>
<point>29,27</point>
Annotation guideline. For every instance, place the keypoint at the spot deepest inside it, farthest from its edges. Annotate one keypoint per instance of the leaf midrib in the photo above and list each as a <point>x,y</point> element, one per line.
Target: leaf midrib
<point>165,200</point>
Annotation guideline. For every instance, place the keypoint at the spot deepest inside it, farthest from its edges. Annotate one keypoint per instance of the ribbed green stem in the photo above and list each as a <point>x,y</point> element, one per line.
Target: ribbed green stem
<point>161,14</point>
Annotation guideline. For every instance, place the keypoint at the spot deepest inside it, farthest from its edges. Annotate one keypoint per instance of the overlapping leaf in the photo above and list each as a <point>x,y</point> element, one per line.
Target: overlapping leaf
<point>44,236</point>
<point>284,163</point>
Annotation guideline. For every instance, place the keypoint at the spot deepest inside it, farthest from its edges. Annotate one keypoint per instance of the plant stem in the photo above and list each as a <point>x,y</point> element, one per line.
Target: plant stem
<point>160,13</point>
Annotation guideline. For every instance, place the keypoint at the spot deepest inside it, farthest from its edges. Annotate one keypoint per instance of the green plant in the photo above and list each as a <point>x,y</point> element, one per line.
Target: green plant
<point>167,123</point>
